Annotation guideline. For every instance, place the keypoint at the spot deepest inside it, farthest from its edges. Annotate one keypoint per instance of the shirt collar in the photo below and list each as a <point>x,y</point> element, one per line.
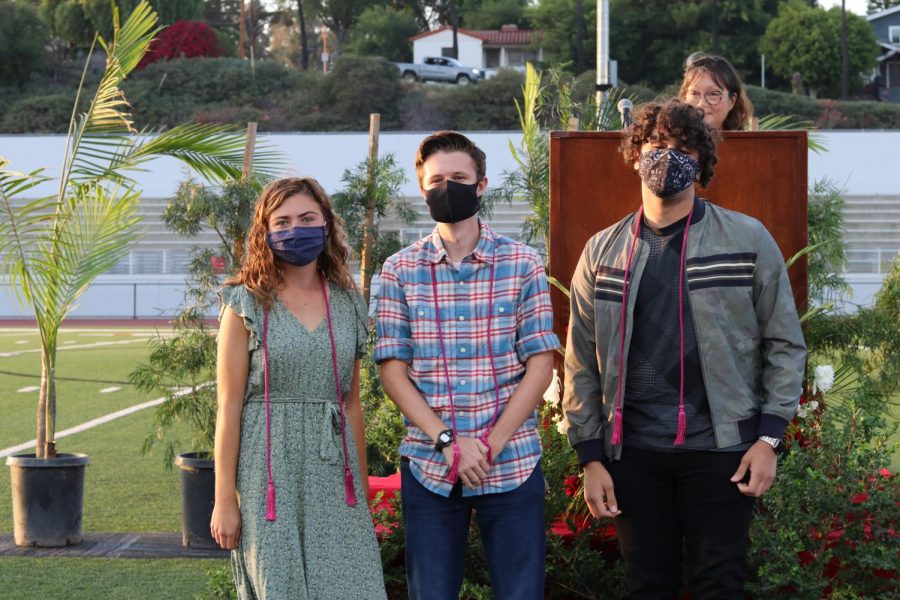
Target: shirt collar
<point>483,252</point>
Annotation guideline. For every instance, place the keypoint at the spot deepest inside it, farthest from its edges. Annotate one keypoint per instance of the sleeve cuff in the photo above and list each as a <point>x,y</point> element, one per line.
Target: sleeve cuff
<point>590,450</point>
<point>393,349</point>
<point>771,425</point>
<point>536,344</point>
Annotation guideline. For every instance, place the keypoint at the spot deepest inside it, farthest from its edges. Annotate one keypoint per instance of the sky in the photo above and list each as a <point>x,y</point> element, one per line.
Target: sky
<point>856,6</point>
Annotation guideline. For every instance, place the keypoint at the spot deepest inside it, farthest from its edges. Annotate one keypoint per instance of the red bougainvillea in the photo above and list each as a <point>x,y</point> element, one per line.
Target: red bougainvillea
<point>183,38</point>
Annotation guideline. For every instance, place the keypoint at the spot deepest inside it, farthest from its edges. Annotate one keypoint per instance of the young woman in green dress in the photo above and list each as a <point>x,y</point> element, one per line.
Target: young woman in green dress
<point>291,484</point>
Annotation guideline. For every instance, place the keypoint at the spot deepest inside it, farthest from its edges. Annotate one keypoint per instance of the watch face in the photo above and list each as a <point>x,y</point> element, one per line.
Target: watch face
<point>445,438</point>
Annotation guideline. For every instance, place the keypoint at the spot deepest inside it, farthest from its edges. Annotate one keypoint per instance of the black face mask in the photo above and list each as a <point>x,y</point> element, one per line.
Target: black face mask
<point>452,202</point>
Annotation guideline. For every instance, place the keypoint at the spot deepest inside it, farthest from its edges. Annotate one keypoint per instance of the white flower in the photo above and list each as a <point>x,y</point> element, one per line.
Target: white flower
<point>824,378</point>
<point>551,396</point>
<point>804,409</point>
<point>562,426</point>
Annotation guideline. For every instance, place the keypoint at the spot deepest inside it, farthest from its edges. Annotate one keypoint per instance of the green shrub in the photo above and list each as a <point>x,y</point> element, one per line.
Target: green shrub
<point>39,114</point>
<point>858,115</point>
<point>359,86</point>
<point>768,102</point>
<point>419,109</point>
<point>168,92</point>
<point>486,105</point>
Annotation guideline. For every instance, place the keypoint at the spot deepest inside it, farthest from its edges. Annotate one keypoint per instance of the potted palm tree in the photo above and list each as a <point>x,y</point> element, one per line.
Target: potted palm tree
<point>54,248</point>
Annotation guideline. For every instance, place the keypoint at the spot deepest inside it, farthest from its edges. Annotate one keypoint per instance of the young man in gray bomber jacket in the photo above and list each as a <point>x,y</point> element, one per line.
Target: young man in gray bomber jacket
<point>684,365</point>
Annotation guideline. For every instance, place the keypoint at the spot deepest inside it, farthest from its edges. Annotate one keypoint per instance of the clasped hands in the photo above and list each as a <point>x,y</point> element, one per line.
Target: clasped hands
<point>473,460</point>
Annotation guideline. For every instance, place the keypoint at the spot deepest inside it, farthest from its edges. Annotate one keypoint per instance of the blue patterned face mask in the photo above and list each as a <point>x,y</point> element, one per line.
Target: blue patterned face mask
<point>298,245</point>
<point>667,171</point>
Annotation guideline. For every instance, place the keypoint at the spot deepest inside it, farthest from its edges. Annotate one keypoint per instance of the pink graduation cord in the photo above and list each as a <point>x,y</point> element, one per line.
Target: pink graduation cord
<point>453,475</point>
<point>349,492</point>
<point>682,417</point>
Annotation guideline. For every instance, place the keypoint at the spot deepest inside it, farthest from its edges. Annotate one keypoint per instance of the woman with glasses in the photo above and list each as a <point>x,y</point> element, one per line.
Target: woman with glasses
<point>712,84</point>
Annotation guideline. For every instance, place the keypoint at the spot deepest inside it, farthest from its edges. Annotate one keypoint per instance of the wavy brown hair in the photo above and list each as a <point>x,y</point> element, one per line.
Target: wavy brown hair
<point>683,123</point>
<point>727,78</point>
<point>260,270</point>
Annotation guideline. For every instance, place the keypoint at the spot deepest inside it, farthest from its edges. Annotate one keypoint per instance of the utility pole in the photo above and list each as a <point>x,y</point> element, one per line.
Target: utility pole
<point>242,32</point>
<point>602,53</point>
<point>455,21</point>
<point>304,44</point>
<point>845,58</point>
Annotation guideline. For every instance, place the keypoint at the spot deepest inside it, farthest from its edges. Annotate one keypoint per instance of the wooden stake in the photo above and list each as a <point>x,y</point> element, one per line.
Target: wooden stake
<point>369,225</point>
<point>249,147</point>
<point>237,251</point>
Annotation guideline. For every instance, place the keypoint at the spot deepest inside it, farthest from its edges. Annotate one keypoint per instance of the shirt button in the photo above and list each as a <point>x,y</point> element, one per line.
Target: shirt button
<point>462,350</point>
<point>462,382</point>
<point>421,313</point>
<point>501,309</point>
<point>462,318</point>
<point>462,283</point>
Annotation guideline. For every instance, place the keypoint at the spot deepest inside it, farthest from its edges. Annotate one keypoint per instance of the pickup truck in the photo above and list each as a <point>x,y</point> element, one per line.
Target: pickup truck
<point>439,68</point>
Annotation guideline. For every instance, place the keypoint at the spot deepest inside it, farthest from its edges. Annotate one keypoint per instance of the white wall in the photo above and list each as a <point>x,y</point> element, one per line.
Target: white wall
<point>864,163</point>
<point>470,53</point>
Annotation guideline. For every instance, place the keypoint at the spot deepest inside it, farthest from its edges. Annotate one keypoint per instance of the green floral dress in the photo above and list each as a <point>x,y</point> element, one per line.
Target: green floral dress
<point>318,547</point>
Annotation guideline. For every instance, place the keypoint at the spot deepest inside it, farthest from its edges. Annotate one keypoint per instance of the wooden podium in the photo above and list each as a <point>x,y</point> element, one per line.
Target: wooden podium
<point>761,174</point>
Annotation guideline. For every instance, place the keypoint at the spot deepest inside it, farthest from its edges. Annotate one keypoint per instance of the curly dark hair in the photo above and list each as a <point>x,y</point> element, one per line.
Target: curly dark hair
<point>683,123</point>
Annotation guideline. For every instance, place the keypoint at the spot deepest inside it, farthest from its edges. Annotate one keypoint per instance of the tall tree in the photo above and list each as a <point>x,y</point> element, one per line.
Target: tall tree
<point>808,40</point>
<point>383,31</point>
<point>304,41</point>
<point>339,16</point>
<point>23,38</point>
<point>874,6</point>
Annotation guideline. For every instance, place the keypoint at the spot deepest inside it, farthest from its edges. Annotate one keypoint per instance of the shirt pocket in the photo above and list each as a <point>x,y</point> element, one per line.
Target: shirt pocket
<point>503,326</point>
<point>424,329</point>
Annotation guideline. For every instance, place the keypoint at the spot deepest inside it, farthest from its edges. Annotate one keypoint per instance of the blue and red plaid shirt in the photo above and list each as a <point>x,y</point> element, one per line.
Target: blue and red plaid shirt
<point>521,326</point>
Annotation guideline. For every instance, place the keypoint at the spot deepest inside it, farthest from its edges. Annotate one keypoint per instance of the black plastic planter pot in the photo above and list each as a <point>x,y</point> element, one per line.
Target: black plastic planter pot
<point>48,498</point>
<point>198,493</point>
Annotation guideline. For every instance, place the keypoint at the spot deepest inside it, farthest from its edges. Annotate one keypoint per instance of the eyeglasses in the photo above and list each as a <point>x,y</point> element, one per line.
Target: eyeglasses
<point>712,97</point>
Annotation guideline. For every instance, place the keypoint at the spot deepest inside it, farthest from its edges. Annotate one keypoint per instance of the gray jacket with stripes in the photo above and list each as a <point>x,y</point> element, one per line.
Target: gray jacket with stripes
<point>752,351</point>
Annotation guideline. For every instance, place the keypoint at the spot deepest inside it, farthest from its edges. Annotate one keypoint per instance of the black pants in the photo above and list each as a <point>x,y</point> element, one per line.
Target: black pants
<point>681,514</point>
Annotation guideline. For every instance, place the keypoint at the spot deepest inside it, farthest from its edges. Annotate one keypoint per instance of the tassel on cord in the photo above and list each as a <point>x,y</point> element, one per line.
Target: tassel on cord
<point>453,475</point>
<point>617,427</point>
<point>682,426</point>
<point>349,491</point>
<point>271,515</point>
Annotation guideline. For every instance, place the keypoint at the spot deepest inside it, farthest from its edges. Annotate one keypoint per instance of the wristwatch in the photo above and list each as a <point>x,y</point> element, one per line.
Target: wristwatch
<point>772,441</point>
<point>444,439</point>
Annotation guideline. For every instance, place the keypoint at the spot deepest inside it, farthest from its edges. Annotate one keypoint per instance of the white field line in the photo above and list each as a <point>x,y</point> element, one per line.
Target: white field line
<point>92,423</point>
<point>75,347</point>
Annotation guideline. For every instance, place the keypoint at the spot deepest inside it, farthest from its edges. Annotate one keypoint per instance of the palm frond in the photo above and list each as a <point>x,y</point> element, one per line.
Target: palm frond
<point>815,141</point>
<point>215,152</point>
<point>109,111</point>
<point>93,231</point>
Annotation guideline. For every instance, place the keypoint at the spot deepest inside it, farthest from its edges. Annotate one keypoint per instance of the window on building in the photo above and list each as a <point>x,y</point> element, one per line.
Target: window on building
<point>893,74</point>
<point>531,56</point>
<point>515,57</point>
<point>894,34</point>
<point>492,57</point>
<point>448,52</point>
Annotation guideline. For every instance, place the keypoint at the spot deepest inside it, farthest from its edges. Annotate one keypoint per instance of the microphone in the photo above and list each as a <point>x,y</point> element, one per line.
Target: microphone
<point>625,105</point>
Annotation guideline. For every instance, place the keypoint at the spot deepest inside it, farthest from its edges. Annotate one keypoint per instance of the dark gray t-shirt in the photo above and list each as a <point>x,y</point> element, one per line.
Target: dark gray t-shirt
<point>654,363</point>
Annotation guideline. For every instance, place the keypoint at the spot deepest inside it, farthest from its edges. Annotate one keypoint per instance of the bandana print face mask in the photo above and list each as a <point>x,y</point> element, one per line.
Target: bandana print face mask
<point>667,171</point>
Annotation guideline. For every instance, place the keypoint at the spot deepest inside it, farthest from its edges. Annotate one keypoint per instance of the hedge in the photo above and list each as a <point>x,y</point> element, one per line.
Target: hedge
<point>279,98</point>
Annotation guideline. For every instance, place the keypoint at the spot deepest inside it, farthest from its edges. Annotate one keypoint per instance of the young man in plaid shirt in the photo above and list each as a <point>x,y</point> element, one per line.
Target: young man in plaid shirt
<point>465,345</point>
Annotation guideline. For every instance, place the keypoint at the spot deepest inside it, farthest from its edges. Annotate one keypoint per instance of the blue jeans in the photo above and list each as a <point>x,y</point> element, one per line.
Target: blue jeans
<point>513,535</point>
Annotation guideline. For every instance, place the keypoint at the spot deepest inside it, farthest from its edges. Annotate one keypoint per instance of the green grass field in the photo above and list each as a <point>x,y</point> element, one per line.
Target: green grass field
<point>124,490</point>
